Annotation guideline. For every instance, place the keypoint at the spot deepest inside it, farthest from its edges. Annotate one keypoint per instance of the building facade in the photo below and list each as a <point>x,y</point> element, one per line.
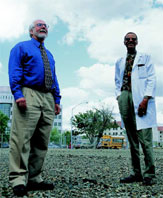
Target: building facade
<point>158,136</point>
<point>6,102</point>
<point>58,121</point>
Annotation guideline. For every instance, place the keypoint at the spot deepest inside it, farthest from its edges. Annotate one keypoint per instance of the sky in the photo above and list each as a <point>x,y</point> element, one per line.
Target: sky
<point>86,39</point>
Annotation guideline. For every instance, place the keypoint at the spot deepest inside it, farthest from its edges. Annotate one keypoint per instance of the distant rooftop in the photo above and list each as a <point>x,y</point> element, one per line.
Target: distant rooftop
<point>160,128</point>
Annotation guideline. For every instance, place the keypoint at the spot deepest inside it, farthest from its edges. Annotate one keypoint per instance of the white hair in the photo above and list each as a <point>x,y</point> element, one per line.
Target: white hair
<point>31,27</point>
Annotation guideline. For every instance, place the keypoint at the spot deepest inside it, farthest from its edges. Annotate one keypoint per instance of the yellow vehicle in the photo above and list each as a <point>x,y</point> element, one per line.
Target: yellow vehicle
<point>115,142</point>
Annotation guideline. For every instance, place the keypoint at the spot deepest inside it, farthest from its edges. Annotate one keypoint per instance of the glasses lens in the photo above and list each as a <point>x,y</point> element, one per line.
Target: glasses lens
<point>128,39</point>
<point>42,24</point>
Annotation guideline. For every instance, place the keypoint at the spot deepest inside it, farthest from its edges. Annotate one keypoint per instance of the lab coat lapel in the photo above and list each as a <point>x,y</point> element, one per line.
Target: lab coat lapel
<point>123,63</point>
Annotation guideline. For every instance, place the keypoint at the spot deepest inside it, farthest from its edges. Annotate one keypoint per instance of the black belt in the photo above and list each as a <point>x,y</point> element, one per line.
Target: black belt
<point>125,89</point>
<point>42,89</point>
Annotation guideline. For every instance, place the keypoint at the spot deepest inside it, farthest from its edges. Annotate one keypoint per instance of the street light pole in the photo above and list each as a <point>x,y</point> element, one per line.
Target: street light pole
<point>72,117</point>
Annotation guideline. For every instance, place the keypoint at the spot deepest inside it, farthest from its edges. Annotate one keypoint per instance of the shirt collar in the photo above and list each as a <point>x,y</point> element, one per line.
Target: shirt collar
<point>37,43</point>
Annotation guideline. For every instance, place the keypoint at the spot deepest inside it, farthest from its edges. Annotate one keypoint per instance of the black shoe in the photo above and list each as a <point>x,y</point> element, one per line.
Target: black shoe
<point>31,186</point>
<point>148,181</point>
<point>20,190</point>
<point>131,179</point>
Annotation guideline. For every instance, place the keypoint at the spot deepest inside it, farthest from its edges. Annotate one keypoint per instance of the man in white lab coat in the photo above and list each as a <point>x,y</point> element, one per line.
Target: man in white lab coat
<point>135,83</point>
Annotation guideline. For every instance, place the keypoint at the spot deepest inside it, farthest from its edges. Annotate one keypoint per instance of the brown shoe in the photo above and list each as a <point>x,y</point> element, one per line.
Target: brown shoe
<point>31,186</point>
<point>20,190</point>
<point>131,179</point>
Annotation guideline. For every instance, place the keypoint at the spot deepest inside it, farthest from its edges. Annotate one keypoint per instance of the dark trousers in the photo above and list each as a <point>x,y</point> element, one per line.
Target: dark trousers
<point>136,137</point>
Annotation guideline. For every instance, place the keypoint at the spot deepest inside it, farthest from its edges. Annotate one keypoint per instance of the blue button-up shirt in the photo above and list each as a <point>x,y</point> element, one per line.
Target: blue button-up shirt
<point>26,69</point>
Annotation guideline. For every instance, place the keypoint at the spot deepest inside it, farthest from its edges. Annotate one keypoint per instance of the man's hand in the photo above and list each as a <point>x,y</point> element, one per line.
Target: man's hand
<point>21,102</point>
<point>142,110</point>
<point>57,109</point>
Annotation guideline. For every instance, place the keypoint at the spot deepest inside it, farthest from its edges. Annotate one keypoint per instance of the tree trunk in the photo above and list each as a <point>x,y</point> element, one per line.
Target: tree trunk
<point>98,138</point>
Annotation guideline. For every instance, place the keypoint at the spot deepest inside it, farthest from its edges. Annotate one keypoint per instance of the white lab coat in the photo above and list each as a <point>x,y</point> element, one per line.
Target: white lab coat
<point>143,81</point>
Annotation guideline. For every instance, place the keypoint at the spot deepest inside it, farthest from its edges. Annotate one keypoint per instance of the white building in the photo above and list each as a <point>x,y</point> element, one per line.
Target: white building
<point>6,102</point>
<point>58,121</point>
<point>158,136</point>
<point>115,131</point>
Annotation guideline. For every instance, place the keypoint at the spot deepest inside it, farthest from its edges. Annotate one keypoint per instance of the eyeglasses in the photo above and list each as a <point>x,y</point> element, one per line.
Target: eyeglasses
<point>133,39</point>
<point>42,24</point>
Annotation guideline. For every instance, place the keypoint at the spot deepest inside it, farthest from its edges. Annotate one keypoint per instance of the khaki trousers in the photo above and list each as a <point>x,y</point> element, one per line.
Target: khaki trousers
<point>136,137</point>
<point>29,137</point>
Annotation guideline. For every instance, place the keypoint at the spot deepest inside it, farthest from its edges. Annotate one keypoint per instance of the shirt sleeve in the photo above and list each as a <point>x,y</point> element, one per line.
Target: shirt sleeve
<point>57,96</point>
<point>16,72</point>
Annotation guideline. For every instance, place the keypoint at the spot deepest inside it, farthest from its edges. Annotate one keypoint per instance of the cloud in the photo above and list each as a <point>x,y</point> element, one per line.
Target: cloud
<point>159,1</point>
<point>74,94</point>
<point>0,66</point>
<point>104,27</point>
<point>159,106</point>
<point>98,76</point>
<point>109,45</point>
<point>17,15</point>
<point>12,18</point>
<point>159,87</point>
<point>94,81</point>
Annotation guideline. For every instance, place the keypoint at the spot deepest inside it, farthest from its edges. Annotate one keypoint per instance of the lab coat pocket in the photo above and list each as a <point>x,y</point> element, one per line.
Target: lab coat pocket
<point>142,72</point>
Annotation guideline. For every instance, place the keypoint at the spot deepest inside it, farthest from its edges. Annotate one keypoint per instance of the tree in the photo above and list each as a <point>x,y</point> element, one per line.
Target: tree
<point>3,125</point>
<point>55,136</point>
<point>93,123</point>
<point>67,136</point>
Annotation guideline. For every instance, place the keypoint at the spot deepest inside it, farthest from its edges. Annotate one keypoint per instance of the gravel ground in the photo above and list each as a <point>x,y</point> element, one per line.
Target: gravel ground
<point>88,174</point>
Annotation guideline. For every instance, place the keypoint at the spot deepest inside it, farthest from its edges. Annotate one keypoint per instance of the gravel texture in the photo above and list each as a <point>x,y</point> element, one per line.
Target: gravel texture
<point>88,173</point>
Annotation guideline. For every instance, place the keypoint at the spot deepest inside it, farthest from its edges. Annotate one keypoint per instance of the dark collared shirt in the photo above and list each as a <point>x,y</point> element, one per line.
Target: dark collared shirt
<point>127,73</point>
<point>26,69</point>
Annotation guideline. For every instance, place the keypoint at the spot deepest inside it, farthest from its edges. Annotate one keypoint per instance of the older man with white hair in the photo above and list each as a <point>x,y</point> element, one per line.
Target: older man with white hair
<point>34,84</point>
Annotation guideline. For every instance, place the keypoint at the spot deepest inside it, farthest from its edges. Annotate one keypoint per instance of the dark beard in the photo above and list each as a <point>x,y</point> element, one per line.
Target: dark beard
<point>131,50</point>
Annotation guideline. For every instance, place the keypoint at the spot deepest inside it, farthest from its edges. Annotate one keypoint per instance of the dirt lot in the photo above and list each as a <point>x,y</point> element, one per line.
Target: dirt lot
<point>88,174</point>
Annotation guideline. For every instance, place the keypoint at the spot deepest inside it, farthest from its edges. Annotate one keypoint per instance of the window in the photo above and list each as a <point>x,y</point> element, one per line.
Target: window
<point>6,109</point>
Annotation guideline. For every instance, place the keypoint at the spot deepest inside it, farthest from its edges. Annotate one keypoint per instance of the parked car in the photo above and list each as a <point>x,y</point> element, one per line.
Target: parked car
<point>5,145</point>
<point>99,146</point>
<point>52,145</point>
<point>63,146</point>
<point>77,145</point>
<point>86,145</point>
